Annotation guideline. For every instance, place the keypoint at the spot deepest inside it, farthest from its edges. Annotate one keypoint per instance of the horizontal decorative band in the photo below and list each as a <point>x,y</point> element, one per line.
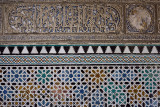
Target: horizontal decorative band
<point>63,18</point>
<point>78,59</point>
<point>77,18</point>
<point>92,49</point>
<point>80,1</point>
<point>79,23</point>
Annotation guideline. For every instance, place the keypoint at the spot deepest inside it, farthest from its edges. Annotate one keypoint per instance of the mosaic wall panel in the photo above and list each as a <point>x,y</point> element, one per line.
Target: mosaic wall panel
<point>80,86</point>
<point>63,18</point>
<point>80,76</point>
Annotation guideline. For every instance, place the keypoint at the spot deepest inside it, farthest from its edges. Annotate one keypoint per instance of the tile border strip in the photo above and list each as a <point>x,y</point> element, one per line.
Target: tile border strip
<point>78,49</point>
<point>78,59</point>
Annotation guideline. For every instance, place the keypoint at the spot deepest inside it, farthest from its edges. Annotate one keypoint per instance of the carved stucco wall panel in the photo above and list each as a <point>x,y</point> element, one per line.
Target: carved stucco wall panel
<point>68,21</point>
<point>1,19</point>
<point>63,18</point>
<point>158,10</point>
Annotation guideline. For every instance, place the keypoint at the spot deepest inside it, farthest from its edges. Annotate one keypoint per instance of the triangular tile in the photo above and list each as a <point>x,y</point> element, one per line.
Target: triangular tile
<point>1,49</point>
<point>99,49</point>
<point>29,48</point>
<point>85,48</point>
<point>11,49</point>
<point>57,48</point>
<point>108,50</point>
<point>131,48</point>
<point>149,48</point>
<point>15,50</point>
<point>39,48</point>
<point>48,48</point>
<point>140,48</point>
<point>80,50</point>
<point>52,50</point>
<point>158,48</point>
<point>43,50</point>
<point>71,50</point>
<point>20,48</point>
<point>25,50</point>
<point>94,48</point>
<point>103,48</point>
<point>126,50</point>
<point>154,50</point>
<point>76,48</point>
<point>34,50</point>
<point>145,50</point>
<point>6,51</point>
<point>122,48</point>
<point>61,51</point>
<point>113,48</point>
<point>117,50</point>
<point>136,49</point>
<point>66,48</point>
<point>90,50</point>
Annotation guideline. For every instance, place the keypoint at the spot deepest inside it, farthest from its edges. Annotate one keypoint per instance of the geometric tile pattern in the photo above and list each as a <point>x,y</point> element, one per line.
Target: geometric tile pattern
<point>79,49</point>
<point>78,59</point>
<point>80,86</point>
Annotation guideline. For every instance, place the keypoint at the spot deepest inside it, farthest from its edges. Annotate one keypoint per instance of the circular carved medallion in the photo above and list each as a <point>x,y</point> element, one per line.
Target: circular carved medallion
<point>140,18</point>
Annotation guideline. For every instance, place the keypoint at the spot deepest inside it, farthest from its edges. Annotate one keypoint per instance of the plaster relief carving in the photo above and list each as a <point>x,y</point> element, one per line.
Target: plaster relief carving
<point>140,18</point>
<point>39,18</point>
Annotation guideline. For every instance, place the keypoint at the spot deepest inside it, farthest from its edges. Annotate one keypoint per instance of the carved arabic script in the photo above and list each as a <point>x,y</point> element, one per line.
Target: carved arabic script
<point>70,18</point>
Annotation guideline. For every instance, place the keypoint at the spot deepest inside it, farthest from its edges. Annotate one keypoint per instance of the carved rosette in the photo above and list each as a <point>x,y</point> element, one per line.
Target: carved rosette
<point>140,18</point>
